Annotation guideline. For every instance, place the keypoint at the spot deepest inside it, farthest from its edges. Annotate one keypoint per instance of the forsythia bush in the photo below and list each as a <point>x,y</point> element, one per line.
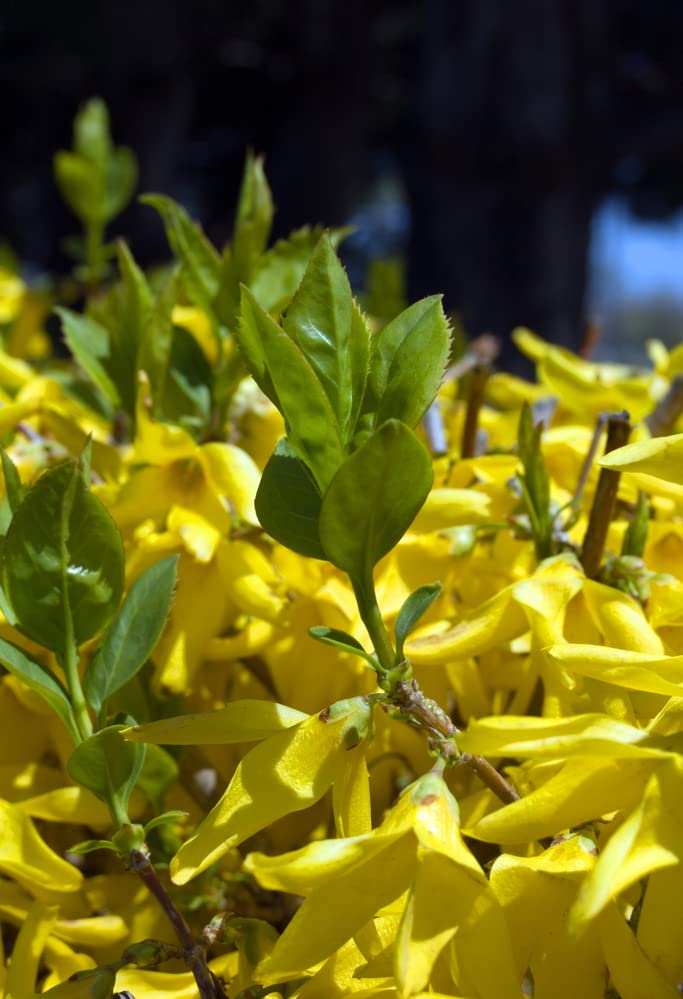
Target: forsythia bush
<point>249,744</point>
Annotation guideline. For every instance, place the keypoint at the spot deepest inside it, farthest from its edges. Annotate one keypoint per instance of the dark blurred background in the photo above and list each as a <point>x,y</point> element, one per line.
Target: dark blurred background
<point>525,158</point>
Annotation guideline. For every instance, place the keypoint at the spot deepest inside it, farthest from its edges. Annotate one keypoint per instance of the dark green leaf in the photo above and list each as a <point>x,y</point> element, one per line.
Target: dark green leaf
<point>201,263</point>
<point>90,344</point>
<point>13,487</point>
<point>332,336</point>
<point>39,679</point>
<point>132,635</point>
<point>107,765</point>
<point>277,363</point>
<point>288,503</point>
<point>374,498</point>
<point>63,561</point>
<point>408,362</point>
<point>385,296</point>
<point>414,607</point>
<point>340,640</point>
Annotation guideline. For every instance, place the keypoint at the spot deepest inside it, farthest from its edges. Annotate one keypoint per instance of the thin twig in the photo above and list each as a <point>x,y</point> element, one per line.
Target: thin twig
<point>410,699</point>
<point>618,432</point>
<point>590,458</point>
<point>193,952</point>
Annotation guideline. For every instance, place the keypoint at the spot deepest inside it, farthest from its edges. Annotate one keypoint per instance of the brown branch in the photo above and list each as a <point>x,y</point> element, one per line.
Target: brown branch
<point>602,511</point>
<point>475,399</point>
<point>663,417</point>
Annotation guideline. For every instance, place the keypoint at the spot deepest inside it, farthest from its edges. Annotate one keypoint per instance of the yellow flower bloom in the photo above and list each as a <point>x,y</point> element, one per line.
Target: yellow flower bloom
<point>419,849</point>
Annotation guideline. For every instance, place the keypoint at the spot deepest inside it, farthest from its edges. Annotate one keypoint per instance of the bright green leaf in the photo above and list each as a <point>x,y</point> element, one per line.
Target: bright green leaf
<point>63,561</point>
<point>417,361</point>
<point>90,845</point>
<point>374,498</point>
<point>332,334</point>
<point>277,364</point>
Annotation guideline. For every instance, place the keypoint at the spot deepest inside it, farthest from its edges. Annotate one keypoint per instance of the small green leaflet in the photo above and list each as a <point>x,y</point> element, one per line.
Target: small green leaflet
<point>414,607</point>
<point>341,640</point>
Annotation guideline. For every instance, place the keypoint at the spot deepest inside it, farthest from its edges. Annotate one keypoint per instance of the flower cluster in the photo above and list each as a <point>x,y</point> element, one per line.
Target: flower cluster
<point>470,789</point>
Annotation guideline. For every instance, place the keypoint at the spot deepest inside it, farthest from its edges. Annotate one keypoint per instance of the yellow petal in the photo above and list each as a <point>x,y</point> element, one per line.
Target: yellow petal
<point>583,790</point>
<point>239,721</point>
<point>660,935</point>
<point>556,738</point>
<point>335,910</point>
<point>199,325</point>
<point>25,856</point>
<point>648,840</point>
<point>28,948</point>
<point>661,457</point>
<point>634,976</point>
<point>495,623</point>
<point>634,670</point>
<point>351,794</point>
<point>201,539</point>
<point>445,508</point>
<point>446,900</point>
<point>234,475</point>
<point>288,772</point>
<point>620,619</point>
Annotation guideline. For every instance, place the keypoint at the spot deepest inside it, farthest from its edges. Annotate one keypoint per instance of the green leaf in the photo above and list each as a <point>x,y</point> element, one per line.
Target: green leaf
<point>254,217</point>
<point>288,503</point>
<point>120,179</point>
<point>39,679</point>
<point>132,635</point>
<point>154,352</point>
<point>90,845</point>
<point>92,138</point>
<point>277,364</point>
<point>535,482</point>
<point>108,766</point>
<point>164,818</point>
<point>408,361</point>
<point>280,270</point>
<point>341,640</point>
<point>63,561</point>
<point>13,487</point>
<point>201,263</point>
<point>81,186</point>
<point>374,498</point>
<point>635,536</point>
<point>90,344</point>
<point>331,334</point>
<point>187,390</point>
<point>159,773</point>
<point>414,607</point>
